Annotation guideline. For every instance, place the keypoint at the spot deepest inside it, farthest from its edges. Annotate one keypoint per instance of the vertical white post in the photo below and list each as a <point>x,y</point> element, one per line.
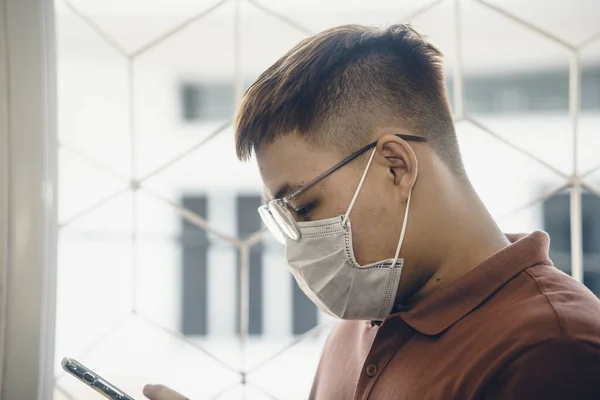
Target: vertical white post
<point>28,188</point>
<point>4,165</point>
<point>457,80</point>
<point>575,210</point>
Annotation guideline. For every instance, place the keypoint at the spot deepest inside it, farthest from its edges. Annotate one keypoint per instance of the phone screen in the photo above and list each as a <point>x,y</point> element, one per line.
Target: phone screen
<point>93,380</point>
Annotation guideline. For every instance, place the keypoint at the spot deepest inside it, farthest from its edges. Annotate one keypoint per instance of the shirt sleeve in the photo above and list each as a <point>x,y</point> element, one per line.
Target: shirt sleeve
<point>556,369</point>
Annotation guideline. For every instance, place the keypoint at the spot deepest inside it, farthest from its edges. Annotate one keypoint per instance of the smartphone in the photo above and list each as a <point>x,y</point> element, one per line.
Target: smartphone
<point>93,380</point>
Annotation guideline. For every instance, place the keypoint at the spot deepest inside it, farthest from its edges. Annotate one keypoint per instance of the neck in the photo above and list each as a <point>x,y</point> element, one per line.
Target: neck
<point>467,237</point>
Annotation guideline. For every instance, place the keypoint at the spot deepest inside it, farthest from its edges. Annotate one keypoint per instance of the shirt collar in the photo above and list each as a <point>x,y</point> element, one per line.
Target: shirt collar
<point>449,304</point>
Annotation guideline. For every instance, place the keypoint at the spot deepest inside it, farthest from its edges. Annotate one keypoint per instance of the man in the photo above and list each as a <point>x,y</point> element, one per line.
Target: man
<point>357,150</point>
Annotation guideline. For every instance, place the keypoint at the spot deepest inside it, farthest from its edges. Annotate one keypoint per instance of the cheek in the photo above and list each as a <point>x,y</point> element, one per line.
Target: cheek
<point>373,230</point>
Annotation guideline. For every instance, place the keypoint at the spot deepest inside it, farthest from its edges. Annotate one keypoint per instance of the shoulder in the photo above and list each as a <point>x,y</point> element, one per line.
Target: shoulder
<point>538,305</point>
<point>575,308</point>
<point>543,303</point>
<point>554,369</point>
<point>552,331</point>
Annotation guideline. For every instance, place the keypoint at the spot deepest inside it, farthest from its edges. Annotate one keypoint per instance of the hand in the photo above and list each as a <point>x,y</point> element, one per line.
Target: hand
<point>161,392</point>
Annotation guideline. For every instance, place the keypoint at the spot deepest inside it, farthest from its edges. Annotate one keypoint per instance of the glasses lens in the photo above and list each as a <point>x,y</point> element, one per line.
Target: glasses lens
<point>284,220</point>
<point>271,224</point>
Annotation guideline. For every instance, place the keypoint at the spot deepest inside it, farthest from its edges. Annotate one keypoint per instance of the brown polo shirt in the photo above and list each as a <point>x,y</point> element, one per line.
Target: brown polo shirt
<point>515,327</point>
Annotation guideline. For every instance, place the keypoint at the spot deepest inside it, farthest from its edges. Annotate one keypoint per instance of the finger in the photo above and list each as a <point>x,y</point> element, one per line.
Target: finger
<point>161,392</point>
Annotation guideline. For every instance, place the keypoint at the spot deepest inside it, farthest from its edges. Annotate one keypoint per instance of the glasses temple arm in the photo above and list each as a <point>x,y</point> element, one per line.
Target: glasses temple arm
<point>345,161</point>
<point>330,171</point>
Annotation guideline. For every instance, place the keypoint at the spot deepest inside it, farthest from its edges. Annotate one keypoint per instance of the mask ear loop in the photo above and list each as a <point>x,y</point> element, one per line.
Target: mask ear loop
<point>403,231</point>
<point>362,180</point>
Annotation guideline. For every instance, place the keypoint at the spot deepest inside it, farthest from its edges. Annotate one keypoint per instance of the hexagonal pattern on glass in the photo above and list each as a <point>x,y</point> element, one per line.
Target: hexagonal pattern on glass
<point>590,204</point>
<point>589,120</point>
<point>523,219</point>
<point>554,16</point>
<point>246,391</point>
<point>197,288</point>
<point>519,92</point>
<point>554,212</point>
<point>436,22</point>
<point>265,37</point>
<point>116,18</point>
<point>183,89</point>
<point>593,179</point>
<point>504,178</point>
<point>94,278</point>
<point>186,277</point>
<point>299,361</point>
<point>138,353</point>
<point>93,97</point>
<point>212,167</point>
<point>557,219</point>
<point>315,15</point>
<point>85,185</point>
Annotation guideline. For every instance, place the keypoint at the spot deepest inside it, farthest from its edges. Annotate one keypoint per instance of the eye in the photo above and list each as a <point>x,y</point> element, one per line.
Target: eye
<point>304,212</point>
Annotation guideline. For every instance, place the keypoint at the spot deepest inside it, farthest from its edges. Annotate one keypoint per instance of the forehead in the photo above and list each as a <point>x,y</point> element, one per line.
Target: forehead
<point>291,160</point>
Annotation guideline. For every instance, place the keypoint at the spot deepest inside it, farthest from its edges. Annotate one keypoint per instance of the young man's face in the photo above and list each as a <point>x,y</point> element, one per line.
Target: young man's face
<point>377,215</point>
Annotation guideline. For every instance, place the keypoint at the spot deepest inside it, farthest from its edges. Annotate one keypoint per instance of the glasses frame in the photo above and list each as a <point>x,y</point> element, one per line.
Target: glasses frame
<point>278,210</point>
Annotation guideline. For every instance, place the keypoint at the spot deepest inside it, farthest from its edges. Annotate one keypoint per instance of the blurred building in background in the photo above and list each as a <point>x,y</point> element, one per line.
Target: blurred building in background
<point>159,231</point>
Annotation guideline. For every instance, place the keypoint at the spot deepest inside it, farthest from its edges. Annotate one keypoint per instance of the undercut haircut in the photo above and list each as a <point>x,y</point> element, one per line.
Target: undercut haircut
<point>335,88</point>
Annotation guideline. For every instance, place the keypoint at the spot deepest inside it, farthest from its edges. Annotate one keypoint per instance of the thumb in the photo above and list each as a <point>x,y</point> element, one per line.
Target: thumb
<point>161,392</point>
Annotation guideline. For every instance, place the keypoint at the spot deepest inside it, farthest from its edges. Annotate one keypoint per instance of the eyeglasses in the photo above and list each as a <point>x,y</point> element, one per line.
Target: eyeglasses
<point>276,214</point>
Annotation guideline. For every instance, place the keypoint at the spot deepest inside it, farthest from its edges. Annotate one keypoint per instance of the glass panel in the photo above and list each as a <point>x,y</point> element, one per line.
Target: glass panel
<point>498,174</point>
<point>589,123</point>
<point>278,302</point>
<point>293,20</point>
<point>590,204</point>
<point>155,19</point>
<point>553,16</point>
<point>264,38</point>
<point>557,222</point>
<point>62,394</point>
<point>523,220</point>
<point>92,88</point>
<point>186,278</point>
<point>521,91</point>
<point>167,286</point>
<point>317,15</point>
<point>212,168</point>
<point>298,361</point>
<point>437,24</point>
<point>246,392</point>
<point>83,184</point>
<point>94,286</point>
<point>594,180</point>
<point>183,89</point>
<point>139,353</point>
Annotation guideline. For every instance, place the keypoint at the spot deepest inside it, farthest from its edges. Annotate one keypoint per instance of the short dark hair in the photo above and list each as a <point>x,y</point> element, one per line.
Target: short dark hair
<point>336,87</point>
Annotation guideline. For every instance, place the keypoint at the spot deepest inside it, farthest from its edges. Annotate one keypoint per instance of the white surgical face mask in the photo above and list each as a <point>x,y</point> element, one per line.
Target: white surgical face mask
<point>324,267</point>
